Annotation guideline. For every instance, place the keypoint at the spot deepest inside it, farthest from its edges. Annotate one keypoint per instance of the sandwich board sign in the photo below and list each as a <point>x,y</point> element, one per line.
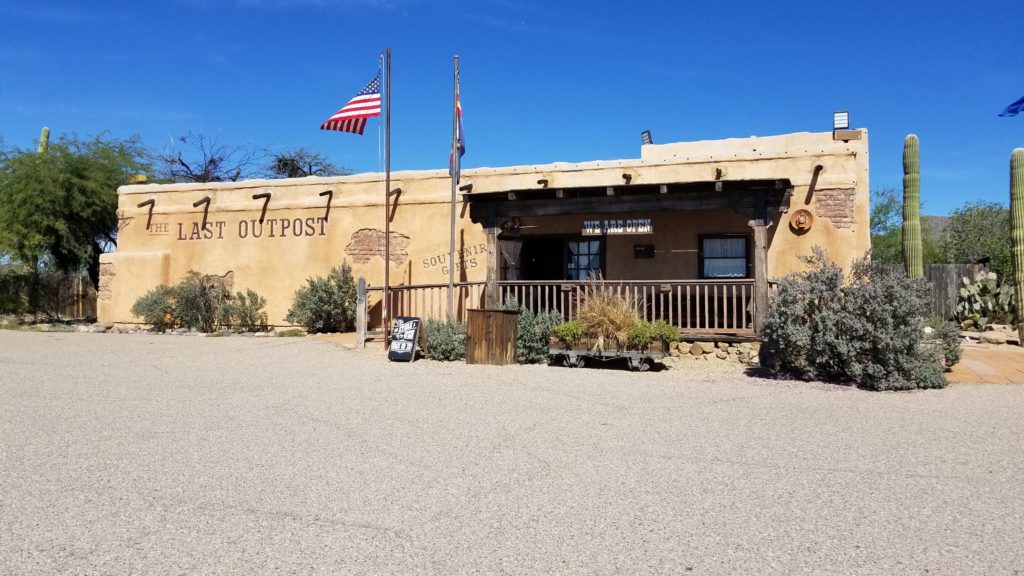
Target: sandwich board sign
<point>405,332</point>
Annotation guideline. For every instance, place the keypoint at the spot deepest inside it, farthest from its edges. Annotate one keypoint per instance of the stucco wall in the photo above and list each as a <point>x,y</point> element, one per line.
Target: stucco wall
<point>283,255</point>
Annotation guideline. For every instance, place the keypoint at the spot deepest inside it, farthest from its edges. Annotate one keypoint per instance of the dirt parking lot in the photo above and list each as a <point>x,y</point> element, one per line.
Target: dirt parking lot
<point>138,454</point>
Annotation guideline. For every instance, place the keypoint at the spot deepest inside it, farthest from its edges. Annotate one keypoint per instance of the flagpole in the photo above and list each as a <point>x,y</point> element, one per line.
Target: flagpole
<point>455,185</point>
<point>385,318</point>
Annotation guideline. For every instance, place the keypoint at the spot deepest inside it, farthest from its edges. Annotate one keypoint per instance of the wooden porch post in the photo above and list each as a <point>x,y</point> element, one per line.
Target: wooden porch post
<point>760,273</point>
<point>492,299</point>
<point>760,225</point>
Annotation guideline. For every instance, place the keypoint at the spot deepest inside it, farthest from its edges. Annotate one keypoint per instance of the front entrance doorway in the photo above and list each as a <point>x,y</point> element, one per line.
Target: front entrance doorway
<point>562,258</point>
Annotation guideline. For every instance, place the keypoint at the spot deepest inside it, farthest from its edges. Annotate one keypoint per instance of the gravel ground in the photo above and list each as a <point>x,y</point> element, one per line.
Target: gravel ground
<point>180,455</point>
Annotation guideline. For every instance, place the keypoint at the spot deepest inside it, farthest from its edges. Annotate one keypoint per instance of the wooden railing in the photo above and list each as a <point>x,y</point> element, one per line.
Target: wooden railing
<point>693,306</point>
<point>430,300</point>
<point>721,306</point>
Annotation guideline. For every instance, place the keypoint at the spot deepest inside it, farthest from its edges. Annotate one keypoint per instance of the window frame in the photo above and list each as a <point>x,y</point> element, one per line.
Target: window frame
<point>749,263</point>
<point>602,254</point>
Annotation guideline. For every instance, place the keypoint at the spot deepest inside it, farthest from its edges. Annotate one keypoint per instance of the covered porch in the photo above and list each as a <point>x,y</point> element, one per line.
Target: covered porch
<point>693,254</point>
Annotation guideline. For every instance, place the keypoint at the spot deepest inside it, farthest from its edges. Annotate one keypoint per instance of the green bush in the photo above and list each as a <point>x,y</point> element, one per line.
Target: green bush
<point>985,301</point>
<point>326,304</point>
<point>198,301</point>
<point>640,336</point>
<point>948,336</point>
<point>665,332</point>
<point>534,332</point>
<point>867,331</point>
<point>245,312</point>
<point>446,340</point>
<point>569,333</point>
<point>156,308</point>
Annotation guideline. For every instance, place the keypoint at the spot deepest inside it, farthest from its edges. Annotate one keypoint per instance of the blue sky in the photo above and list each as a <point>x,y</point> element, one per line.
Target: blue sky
<point>542,81</point>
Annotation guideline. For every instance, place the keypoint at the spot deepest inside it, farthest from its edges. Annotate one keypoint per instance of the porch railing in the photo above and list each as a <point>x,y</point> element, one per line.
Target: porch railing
<point>429,300</point>
<point>722,306</point>
<point>693,306</point>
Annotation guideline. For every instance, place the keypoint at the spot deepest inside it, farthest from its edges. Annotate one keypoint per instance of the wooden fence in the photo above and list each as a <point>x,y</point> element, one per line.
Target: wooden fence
<point>946,281</point>
<point>55,296</point>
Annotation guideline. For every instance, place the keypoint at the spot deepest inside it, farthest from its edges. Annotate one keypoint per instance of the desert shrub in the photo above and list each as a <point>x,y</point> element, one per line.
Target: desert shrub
<point>640,336</point>
<point>198,301</point>
<point>665,332</point>
<point>326,304</point>
<point>984,301</point>
<point>446,339</point>
<point>569,333</point>
<point>607,315</point>
<point>156,308</point>
<point>948,336</point>
<point>534,332</point>
<point>245,312</point>
<point>867,331</point>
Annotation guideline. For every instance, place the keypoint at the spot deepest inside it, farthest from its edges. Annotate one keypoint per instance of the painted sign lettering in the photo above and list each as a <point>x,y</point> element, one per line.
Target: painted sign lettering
<point>617,227</point>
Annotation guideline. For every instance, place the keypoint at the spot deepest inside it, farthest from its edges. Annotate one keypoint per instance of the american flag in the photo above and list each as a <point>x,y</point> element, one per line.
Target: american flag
<point>352,117</point>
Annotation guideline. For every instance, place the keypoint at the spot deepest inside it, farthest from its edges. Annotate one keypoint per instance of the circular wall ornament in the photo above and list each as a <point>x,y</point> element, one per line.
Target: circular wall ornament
<point>801,221</point>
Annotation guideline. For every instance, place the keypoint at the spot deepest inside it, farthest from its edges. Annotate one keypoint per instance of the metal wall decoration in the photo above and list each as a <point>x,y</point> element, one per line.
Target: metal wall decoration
<point>205,200</point>
<point>330,197</point>
<point>265,196</point>
<point>149,218</point>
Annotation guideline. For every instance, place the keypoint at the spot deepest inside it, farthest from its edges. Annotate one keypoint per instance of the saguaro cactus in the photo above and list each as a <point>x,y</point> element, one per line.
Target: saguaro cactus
<point>44,140</point>
<point>1017,233</point>
<point>912,258</point>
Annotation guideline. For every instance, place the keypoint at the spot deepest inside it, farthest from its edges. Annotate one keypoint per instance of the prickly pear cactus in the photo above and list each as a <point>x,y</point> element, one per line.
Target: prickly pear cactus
<point>912,259</point>
<point>1017,233</point>
<point>44,140</point>
<point>985,301</point>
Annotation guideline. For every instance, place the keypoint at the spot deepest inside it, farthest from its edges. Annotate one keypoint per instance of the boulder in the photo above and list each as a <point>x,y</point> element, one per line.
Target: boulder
<point>732,350</point>
<point>723,345</point>
<point>993,338</point>
<point>707,347</point>
<point>696,349</point>
<point>721,354</point>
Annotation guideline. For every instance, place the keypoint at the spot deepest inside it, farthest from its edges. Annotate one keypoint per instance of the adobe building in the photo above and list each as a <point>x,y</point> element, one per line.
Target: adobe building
<point>695,231</point>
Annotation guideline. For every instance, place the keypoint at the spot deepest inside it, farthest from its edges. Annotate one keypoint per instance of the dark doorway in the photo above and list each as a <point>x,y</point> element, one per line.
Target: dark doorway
<point>543,259</point>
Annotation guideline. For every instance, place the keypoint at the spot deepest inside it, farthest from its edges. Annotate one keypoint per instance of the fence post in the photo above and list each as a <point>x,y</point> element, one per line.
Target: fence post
<point>361,313</point>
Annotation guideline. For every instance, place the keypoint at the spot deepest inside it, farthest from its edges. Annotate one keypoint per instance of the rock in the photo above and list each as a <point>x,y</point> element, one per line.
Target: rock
<point>732,350</point>
<point>721,354</point>
<point>706,347</point>
<point>696,349</point>
<point>993,338</point>
<point>733,358</point>
<point>743,346</point>
<point>998,328</point>
<point>744,356</point>
<point>723,345</point>
<point>674,354</point>
<point>928,330</point>
<point>755,347</point>
<point>180,331</point>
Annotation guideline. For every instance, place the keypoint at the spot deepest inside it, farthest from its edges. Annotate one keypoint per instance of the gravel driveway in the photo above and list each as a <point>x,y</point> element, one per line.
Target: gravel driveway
<point>130,454</point>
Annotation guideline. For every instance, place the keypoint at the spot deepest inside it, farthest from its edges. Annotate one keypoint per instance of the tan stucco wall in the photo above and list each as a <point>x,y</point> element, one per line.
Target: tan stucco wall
<point>276,266</point>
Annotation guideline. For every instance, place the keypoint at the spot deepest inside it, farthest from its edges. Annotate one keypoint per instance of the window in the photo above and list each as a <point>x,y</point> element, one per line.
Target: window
<point>584,259</point>
<point>723,256</point>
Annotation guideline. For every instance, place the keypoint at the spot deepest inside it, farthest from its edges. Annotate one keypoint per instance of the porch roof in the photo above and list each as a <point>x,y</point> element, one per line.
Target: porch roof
<point>753,196</point>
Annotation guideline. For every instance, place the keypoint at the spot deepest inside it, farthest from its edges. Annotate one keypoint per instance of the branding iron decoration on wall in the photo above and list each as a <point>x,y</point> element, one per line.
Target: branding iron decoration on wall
<point>617,227</point>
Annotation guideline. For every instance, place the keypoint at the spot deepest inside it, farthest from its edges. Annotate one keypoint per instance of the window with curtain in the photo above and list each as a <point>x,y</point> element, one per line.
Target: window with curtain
<point>723,257</point>
<point>584,259</point>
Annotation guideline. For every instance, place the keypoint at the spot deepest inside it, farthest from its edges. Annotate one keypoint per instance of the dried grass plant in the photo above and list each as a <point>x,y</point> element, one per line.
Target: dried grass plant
<point>607,315</point>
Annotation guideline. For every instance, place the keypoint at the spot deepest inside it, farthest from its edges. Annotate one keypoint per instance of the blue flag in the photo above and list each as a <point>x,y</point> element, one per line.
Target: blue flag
<point>1014,109</point>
